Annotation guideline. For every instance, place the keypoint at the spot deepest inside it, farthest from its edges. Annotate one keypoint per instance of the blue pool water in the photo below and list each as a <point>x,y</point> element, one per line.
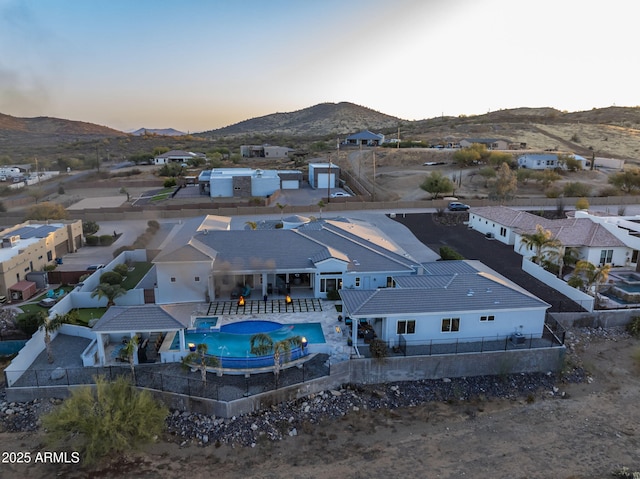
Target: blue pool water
<point>235,345</point>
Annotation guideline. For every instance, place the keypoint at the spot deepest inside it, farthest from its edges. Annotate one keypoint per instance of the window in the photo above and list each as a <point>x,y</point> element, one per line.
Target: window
<point>328,284</point>
<point>503,231</point>
<point>487,318</point>
<point>606,255</point>
<point>49,255</point>
<point>450,325</point>
<point>390,282</point>
<point>197,278</point>
<point>357,282</point>
<point>406,326</point>
<point>173,280</point>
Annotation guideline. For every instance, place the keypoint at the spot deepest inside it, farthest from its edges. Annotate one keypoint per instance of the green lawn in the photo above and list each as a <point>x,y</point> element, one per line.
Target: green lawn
<point>162,195</point>
<point>87,314</point>
<point>134,277</point>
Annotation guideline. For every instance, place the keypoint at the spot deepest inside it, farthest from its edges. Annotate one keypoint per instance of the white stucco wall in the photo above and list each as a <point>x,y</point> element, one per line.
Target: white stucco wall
<point>428,326</point>
<point>185,288</point>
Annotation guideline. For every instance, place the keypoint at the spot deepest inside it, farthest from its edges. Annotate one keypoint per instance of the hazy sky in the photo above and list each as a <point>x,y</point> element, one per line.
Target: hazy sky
<point>197,65</point>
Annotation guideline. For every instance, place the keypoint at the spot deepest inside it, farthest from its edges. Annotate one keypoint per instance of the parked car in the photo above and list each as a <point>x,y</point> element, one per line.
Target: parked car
<point>340,194</point>
<point>47,302</point>
<point>455,206</point>
<point>94,267</point>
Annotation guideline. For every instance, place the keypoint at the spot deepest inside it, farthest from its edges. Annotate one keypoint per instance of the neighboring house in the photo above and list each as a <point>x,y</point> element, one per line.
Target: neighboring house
<point>592,241</point>
<point>265,151</point>
<point>246,182</point>
<point>176,156</point>
<point>31,246</point>
<point>323,175</point>
<point>490,143</point>
<point>365,138</point>
<point>309,260</point>
<point>538,161</point>
<point>546,161</point>
<point>453,301</point>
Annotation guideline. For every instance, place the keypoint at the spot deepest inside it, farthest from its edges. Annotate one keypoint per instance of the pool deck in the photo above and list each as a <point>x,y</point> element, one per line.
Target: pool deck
<point>67,349</point>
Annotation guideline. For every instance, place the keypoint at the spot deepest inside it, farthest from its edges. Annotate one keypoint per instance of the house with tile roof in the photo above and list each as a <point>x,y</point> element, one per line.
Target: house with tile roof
<point>453,301</point>
<point>591,240</point>
<point>309,260</point>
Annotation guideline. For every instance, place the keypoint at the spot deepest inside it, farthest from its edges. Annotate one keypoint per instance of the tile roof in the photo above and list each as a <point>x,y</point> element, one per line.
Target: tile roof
<point>454,292</point>
<point>570,231</point>
<point>145,318</point>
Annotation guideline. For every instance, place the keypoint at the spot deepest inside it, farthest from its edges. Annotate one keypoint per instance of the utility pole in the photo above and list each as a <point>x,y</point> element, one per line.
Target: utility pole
<point>329,183</point>
<point>398,137</point>
<point>374,175</point>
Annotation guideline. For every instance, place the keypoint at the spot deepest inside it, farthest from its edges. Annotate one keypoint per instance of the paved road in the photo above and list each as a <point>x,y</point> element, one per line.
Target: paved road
<point>493,253</point>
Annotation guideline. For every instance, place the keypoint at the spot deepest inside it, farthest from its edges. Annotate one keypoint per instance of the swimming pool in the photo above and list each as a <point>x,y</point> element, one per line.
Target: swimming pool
<point>232,343</point>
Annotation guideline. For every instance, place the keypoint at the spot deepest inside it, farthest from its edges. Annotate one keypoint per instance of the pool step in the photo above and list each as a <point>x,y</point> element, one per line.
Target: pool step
<point>255,306</point>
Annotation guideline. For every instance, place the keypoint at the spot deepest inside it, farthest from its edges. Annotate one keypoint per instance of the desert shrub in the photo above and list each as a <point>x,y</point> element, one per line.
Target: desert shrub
<point>633,327</point>
<point>92,240</point>
<point>113,418</point>
<point>111,277</point>
<point>622,210</point>
<point>46,211</point>
<point>153,224</point>
<point>577,189</point>
<point>333,295</point>
<point>106,240</point>
<point>122,269</point>
<point>49,267</point>
<point>609,191</point>
<point>89,227</point>
<point>170,169</point>
<point>582,204</point>
<point>553,192</point>
<point>61,190</point>
<point>278,226</point>
<point>169,183</point>
<point>378,349</point>
<point>448,253</point>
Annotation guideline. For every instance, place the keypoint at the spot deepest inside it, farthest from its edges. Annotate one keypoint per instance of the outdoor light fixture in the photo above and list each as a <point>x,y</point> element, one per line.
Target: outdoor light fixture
<point>304,342</point>
<point>241,301</point>
<point>192,347</point>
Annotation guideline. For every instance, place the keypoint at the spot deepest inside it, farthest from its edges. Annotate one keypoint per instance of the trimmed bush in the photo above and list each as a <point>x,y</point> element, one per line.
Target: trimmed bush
<point>111,277</point>
<point>448,253</point>
<point>169,183</point>
<point>92,240</point>
<point>333,295</point>
<point>122,269</point>
<point>106,240</point>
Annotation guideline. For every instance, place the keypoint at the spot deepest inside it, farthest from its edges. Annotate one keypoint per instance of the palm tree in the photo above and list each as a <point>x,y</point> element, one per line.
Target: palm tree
<point>321,204</point>
<point>561,257</point>
<point>201,359</point>
<point>281,207</point>
<point>262,344</point>
<point>109,291</point>
<point>594,275</point>
<point>540,241</point>
<point>128,351</point>
<point>48,326</point>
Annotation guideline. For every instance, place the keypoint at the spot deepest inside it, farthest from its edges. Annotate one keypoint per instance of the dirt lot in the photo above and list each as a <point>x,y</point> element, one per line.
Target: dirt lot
<point>587,432</point>
<point>399,173</point>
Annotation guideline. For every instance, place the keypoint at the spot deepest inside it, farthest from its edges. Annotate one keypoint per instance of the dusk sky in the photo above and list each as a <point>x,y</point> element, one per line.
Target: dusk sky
<point>197,65</point>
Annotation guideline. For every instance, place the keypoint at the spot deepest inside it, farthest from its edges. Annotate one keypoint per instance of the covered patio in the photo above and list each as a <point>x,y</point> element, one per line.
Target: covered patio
<point>150,323</point>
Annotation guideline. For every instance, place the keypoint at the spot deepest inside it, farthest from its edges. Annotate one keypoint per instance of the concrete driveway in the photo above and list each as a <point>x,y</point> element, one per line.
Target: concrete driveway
<point>473,245</point>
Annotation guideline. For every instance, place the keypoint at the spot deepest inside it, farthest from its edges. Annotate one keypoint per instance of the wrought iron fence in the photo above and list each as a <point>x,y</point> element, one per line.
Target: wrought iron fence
<point>173,378</point>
